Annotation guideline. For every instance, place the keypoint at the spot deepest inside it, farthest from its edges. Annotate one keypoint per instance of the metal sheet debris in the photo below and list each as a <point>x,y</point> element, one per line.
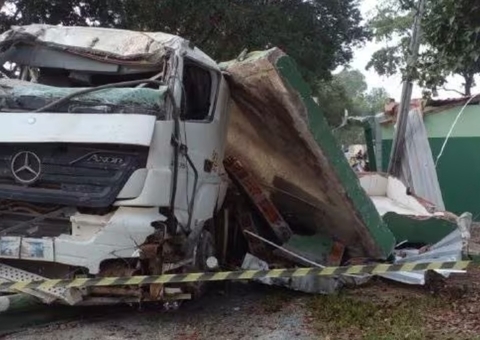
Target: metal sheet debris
<point>418,166</point>
<point>306,284</point>
<point>449,249</point>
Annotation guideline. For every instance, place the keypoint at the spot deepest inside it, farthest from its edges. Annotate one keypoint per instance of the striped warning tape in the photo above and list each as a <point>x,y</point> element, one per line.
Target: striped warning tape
<point>237,275</point>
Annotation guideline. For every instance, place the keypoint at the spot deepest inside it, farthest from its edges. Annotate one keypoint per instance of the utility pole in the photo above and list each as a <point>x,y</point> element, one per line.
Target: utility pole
<point>398,145</point>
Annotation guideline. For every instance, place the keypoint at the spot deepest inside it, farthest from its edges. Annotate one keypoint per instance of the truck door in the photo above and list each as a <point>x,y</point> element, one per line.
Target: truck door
<point>203,130</point>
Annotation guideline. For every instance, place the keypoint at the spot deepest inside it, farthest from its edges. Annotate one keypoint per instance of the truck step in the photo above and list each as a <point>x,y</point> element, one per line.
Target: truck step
<point>47,295</point>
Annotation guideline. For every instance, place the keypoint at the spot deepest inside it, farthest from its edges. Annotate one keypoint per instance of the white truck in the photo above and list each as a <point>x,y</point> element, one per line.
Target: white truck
<point>112,147</point>
<point>110,141</point>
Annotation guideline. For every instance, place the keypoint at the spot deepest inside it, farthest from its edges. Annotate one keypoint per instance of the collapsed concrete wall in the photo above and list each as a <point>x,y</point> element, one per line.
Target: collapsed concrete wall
<point>279,132</point>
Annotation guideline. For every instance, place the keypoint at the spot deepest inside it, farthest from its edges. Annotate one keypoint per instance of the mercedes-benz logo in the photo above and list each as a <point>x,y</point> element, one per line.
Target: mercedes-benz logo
<point>26,167</point>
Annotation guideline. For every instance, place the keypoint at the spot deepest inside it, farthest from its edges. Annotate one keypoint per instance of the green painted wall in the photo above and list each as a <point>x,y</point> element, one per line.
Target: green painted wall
<point>322,134</point>
<point>459,167</point>
<point>429,231</point>
<point>438,124</point>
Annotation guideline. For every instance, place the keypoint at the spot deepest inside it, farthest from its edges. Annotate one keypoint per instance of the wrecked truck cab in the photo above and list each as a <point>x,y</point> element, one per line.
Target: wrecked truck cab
<point>110,142</point>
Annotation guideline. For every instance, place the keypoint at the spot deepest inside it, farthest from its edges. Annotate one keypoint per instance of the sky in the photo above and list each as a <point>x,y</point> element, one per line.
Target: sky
<point>393,84</point>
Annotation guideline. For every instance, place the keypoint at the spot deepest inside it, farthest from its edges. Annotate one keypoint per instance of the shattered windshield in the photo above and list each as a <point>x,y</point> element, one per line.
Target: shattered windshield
<point>62,73</point>
<point>18,95</point>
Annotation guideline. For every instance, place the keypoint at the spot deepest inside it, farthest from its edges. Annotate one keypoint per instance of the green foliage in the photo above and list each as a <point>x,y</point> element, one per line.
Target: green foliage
<point>353,81</point>
<point>388,22</point>
<point>350,135</point>
<point>451,41</point>
<point>452,32</point>
<point>376,100</point>
<point>319,34</point>
<point>364,104</point>
<point>333,100</point>
<point>347,91</point>
<point>386,61</point>
<point>391,25</point>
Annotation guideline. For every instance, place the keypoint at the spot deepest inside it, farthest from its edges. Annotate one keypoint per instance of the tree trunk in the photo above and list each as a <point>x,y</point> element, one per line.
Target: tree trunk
<point>469,79</point>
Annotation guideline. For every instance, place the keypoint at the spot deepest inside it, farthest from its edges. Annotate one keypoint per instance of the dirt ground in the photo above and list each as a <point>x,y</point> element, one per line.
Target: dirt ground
<point>243,312</point>
<point>378,310</point>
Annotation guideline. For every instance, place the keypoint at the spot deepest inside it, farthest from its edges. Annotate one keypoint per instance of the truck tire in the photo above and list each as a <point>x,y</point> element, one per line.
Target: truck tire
<point>205,248</point>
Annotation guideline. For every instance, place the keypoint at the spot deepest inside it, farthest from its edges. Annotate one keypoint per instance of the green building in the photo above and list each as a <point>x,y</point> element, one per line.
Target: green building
<point>458,168</point>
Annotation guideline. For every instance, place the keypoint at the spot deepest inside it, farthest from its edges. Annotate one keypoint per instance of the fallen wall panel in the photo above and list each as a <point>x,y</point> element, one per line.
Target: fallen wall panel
<point>281,135</point>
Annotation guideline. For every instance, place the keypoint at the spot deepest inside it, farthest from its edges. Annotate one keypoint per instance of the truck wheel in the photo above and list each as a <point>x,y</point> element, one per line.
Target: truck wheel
<point>205,248</point>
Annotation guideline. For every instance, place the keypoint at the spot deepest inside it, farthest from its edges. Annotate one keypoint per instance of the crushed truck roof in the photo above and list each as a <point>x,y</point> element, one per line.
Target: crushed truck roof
<point>103,44</point>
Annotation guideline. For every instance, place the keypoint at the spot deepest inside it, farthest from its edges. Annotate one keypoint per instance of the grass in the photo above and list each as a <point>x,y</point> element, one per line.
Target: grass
<point>381,311</point>
<point>350,317</point>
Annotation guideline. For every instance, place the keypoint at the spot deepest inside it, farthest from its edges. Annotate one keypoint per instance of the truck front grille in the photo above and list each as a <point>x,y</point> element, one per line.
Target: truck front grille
<point>69,174</point>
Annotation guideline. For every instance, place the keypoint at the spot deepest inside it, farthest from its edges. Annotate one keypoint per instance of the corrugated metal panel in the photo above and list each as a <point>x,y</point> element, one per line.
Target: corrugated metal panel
<point>418,167</point>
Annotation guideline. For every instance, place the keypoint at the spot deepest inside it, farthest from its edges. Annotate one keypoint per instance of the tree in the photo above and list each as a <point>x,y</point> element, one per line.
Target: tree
<point>391,25</point>
<point>452,32</point>
<point>367,104</point>
<point>451,41</point>
<point>348,91</point>
<point>333,100</point>
<point>375,100</point>
<point>353,81</point>
<point>319,34</point>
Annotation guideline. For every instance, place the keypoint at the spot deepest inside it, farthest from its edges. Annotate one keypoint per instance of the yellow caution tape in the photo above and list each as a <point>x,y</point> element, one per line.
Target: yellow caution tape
<point>236,275</point>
